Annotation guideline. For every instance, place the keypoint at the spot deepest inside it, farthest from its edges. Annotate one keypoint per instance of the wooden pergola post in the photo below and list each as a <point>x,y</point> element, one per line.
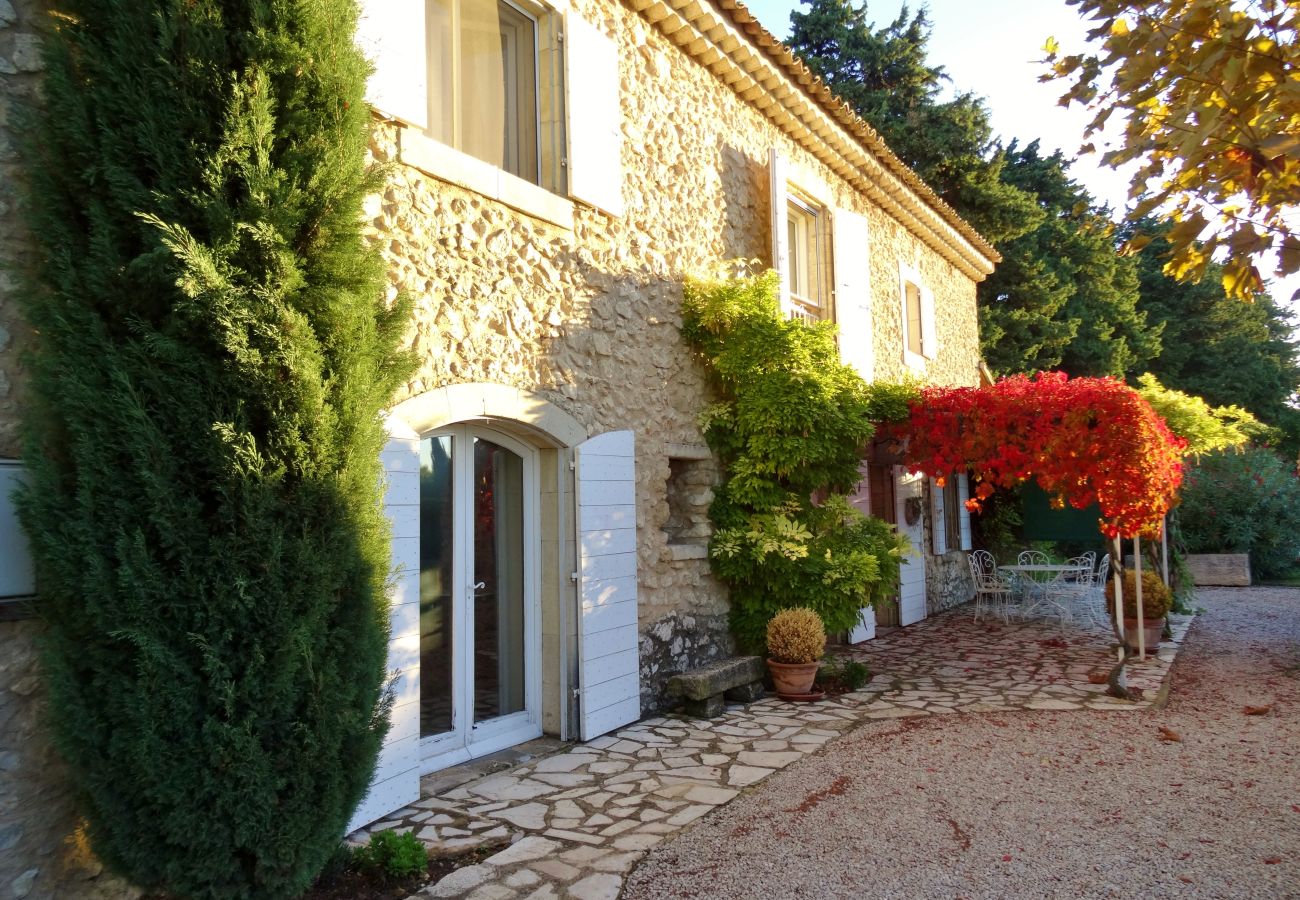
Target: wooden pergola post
<point>1137,595</point>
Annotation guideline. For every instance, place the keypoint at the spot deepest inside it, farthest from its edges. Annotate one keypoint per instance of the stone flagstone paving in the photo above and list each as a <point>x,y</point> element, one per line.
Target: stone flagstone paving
<point>581,819</point>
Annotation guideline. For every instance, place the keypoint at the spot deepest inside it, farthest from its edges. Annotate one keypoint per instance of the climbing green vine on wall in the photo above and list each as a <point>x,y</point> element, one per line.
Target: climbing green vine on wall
<point>790,432</point>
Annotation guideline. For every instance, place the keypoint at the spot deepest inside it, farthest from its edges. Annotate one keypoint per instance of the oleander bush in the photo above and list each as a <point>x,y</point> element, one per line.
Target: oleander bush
<point>1244,501</point>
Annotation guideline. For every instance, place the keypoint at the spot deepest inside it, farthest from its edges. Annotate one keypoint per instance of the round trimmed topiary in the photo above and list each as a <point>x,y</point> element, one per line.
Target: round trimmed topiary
<point>796,636</point>
<point>1156,598</point>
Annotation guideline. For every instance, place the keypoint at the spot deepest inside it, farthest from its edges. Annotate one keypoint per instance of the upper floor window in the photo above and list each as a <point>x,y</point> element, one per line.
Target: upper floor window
<point>501,88</point>
<point>801,236</point>
<point>917,308</point>
<point>809,292</point>
<point>494,77</point>
<point>915,326</point>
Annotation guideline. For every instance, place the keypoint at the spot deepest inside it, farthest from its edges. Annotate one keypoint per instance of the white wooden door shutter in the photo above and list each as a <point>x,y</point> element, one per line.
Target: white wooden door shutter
<point>938,529</point>
<point>396,782</point>
<point>391,34</point>
<point>595,117</point>
<point>929,339</point>
<point>853,292</point>
<point>780,227</point>
<point>963,521</point>
<point>609,679</point>
<point>17,576</point>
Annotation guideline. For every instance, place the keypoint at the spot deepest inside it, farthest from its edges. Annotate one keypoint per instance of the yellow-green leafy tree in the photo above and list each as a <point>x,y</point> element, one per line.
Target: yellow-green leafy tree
<point>1205,428</point>
<point>1210,90</point>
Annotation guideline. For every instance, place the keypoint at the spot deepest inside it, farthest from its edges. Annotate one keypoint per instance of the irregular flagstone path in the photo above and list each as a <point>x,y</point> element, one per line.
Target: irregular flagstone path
<point>580,820</point>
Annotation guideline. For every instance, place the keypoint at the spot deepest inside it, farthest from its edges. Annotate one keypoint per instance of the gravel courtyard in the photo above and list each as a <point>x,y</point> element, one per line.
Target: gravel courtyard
<point>1199,799</point>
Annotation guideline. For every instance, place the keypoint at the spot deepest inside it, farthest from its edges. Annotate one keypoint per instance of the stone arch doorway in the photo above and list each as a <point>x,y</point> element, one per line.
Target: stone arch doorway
<point>493,512</point>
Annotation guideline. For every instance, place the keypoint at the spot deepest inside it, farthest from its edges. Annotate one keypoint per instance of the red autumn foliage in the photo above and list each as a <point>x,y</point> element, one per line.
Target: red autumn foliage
<point>1085,441</point>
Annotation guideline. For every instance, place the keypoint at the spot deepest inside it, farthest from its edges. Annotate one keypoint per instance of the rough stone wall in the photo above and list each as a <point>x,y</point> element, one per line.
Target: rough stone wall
<point>955,314</point>
<point>947,576</point>
<point>20,64</point>
<point>947,581</point>
<point>40,856</point>
<point>589,318</point>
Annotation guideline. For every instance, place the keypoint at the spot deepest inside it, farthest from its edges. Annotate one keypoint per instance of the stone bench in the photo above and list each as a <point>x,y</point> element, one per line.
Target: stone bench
<point>702,690</point>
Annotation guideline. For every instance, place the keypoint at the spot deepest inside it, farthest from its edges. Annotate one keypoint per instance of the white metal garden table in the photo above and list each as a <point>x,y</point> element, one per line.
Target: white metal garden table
<point>1044,585</point>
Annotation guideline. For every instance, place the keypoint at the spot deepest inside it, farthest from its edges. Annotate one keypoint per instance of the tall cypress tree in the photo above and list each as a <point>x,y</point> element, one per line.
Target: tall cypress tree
<point>211,358</point>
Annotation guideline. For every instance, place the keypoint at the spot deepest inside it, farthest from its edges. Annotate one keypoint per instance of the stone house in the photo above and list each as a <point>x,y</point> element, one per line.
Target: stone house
<point>560,166</point>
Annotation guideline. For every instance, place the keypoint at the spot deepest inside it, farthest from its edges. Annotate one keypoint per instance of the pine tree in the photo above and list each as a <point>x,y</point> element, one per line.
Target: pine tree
<point>1215,346</point>
<point>212,356</point>
<point>884,75</point>
<point>1063,297</point>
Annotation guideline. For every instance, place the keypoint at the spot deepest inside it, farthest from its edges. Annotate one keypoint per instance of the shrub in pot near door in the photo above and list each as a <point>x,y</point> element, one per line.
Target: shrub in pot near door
<point>796,640</point>
<point>1156,601</point>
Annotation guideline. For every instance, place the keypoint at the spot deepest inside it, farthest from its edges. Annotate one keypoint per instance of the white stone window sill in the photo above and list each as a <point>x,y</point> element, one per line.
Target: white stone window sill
<point>914,361</point>
<point>449,164</point>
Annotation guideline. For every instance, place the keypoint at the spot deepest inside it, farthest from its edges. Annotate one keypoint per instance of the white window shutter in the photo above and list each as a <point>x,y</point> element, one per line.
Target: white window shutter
<point>396,782</point>
<point>609,678</point>
<point>929,339</point>
<point>938,531</point>
<point>17,575</point>
<point>391,34</point>
<point>595,117</point>
<point>853,292</point>
<point>963,514</point>
<point>780,227</point>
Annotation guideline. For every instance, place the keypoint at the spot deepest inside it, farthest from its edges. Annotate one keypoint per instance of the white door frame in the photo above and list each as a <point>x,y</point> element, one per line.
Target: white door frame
<point>467,741</point>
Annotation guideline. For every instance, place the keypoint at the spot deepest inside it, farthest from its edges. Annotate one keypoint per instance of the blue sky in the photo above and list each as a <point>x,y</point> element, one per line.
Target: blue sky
<point>992,48</point>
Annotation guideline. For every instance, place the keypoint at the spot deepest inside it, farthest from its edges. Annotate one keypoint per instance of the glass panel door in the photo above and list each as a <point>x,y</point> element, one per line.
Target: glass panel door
<point>438,619</point>
<point>498,581</point>
<point>479,660</point>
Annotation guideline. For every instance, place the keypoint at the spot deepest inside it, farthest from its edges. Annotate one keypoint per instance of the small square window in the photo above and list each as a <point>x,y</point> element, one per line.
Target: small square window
<point>494,84</point>
<point>809,292</point>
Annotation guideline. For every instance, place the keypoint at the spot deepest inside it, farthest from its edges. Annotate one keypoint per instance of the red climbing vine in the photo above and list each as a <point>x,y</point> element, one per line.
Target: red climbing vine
<point>1084,440</point>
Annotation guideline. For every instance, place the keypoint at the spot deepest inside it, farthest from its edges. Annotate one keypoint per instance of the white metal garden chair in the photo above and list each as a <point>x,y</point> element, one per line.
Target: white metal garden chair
<point>991,590</point>
<point>1087,593</point>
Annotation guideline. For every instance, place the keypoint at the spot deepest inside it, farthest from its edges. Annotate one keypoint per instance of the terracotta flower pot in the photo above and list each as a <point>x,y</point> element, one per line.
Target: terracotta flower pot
<point>793,678</point>
<point>1151,629</point>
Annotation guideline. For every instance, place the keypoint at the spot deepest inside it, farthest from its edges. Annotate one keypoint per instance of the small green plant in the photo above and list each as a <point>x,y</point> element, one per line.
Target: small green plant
<point>395,855</point>
<point>796,636</point>
<point>842,674</point>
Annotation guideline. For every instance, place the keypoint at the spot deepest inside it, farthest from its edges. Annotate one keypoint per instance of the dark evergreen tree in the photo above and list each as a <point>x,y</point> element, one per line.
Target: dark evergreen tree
<point>1216,346</point>
<point>211,358</point>
<point>1063,298</point>
<point>883,74</point>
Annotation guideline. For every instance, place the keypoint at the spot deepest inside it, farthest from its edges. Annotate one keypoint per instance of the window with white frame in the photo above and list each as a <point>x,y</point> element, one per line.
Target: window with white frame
<point>806,233</point>
<point>801,236</point>
<point>917,309</point>
<point>494,77</point>
<point>517,85</point>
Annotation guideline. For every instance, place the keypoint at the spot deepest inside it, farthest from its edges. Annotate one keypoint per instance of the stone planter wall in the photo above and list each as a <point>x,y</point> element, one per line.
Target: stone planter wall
<point>1219,569</point>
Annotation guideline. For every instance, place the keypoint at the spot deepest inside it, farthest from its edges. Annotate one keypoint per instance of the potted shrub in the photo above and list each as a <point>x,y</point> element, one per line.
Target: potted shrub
<point>1156,600</point>
<point>795,641</point>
